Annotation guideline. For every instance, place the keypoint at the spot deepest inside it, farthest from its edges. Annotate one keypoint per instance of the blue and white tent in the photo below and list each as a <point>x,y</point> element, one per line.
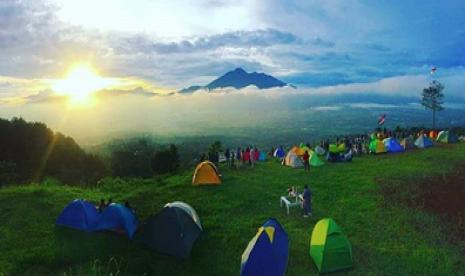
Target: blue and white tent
<point>423,142</point>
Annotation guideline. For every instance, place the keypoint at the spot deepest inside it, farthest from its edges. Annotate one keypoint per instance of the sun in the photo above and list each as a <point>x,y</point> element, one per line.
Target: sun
<point>79,84</point>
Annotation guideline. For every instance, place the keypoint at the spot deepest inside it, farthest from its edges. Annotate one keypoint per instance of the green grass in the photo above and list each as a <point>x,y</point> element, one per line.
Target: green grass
<point>387,239</point>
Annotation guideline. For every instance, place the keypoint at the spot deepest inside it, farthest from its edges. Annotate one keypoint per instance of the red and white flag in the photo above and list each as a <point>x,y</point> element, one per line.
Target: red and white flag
<point>382,119</point>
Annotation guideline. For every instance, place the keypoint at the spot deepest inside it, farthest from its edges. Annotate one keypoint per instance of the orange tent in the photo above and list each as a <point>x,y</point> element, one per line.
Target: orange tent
<point>206,173</point>
<point>433,134</point>
<point>298,151</point>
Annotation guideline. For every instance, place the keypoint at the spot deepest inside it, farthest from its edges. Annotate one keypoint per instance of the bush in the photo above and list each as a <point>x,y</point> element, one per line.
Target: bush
<point>8,172</point>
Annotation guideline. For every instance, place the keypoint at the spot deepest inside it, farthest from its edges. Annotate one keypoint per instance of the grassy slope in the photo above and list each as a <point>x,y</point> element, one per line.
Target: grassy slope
<point>385,239</point>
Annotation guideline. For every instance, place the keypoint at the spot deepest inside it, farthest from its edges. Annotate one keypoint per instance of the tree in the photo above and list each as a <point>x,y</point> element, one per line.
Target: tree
<point>215,147</point>
<point>166,161</point>
<point>432,98</point>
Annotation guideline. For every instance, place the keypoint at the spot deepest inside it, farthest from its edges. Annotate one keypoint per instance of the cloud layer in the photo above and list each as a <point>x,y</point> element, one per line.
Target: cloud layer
<point>316,43</point>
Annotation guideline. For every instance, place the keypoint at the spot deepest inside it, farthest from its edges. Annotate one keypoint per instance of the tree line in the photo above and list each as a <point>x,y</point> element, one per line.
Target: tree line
<point>30,152</point>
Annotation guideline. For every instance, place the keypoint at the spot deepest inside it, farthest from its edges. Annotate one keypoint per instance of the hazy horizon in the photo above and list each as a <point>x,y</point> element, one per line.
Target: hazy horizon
<point>94,75</point>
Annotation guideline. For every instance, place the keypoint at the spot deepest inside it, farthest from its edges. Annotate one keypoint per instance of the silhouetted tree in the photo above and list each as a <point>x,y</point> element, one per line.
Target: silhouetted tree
<point>166,161</point>
<point>31,151</point>
<point>432,98</point>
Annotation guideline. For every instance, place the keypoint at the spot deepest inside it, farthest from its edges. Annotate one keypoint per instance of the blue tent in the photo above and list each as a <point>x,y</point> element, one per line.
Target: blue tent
<point>279,152</point>
<point>117,216</point>
<point>267,253</point>
<point>262,156</point>
<point>79,214</point>
<point>392,145</point>
<point>423,142</point>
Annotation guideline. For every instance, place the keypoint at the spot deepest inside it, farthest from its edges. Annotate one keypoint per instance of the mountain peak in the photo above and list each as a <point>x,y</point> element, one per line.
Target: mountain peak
<point>239,78</point>
<point>239,70</point>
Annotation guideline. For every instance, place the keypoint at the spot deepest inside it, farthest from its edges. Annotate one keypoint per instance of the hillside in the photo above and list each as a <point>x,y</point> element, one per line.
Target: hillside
<point>386,238</point>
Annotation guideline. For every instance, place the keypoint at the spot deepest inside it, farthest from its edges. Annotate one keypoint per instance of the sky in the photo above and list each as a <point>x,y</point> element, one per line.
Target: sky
<point>148,47</point>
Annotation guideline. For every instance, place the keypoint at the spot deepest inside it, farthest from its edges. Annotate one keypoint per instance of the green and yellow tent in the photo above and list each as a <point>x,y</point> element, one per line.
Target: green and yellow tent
<point>377,146</point>
<point>329,247</point>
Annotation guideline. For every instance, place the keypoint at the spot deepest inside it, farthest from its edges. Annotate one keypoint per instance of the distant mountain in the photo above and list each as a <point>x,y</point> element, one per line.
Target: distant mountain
<point>191,89</point>
<point>238,78</point>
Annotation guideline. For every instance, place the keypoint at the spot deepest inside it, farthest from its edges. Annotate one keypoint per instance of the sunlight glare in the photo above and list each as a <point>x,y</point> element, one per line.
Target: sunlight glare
<point>79,84</point>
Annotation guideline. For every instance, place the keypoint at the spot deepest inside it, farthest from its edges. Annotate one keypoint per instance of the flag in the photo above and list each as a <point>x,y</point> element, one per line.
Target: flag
<point>382,119</point>
<point>433,70</point>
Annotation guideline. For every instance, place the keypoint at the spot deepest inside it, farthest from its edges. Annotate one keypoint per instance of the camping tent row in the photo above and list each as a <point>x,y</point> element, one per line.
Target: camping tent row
<point>172,231</point>
<point>392,145</point>
<point>268,251</point>
<point>82,215</point>
<point>206,173</point>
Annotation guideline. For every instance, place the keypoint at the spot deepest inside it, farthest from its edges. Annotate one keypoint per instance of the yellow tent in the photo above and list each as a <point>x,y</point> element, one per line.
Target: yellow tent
<point>206,173</point>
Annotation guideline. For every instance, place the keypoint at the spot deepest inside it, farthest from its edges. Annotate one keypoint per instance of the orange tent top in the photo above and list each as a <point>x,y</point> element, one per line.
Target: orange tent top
<point>206,173</point>
<point>298,151</point>
<point>433,134</point>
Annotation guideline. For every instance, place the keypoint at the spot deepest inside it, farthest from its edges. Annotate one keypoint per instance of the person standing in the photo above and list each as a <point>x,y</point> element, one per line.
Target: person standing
<point>247,156</point>
<point>238,157</point>
<point>306,158</point>
<point>233,157</point>
<point>227,155</point>
<point>252,156</point>
<point>307,201</point>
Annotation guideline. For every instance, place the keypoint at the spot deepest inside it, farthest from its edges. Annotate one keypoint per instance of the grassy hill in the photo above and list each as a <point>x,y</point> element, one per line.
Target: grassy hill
<point>387,238</point>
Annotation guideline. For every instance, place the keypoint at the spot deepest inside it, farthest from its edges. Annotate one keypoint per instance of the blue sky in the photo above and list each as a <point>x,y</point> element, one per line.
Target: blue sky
<point>178,43</point>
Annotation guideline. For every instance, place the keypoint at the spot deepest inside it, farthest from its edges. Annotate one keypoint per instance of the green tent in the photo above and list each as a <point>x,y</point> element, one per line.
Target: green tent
<point>447,137</point>
<point>315,161</point>
<point>333,148</point>
<point>377,146</point>
<point>329,247</point>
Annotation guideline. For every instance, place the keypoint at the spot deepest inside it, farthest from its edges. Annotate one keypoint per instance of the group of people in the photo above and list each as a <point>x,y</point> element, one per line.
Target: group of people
<point>235,158</point>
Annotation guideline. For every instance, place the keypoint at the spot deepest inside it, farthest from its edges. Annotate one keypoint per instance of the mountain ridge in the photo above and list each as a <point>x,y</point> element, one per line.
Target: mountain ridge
<point>239,78</point>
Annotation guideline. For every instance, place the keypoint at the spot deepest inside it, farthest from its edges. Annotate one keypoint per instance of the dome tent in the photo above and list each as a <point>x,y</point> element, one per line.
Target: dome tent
<point>79,214</point>
<point>268,251</point>
<point>423,142</point>
<point>315,161</point>
<point>117,216</point>
<point>172,231</point>
<point>298,151</point>
<point>377,146</point>
<point>447,137</point>
<point>206,173</point>
<point>279,152</point>
<point>292,160</point>
<point>329,247</point>
<point>392,145</point>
